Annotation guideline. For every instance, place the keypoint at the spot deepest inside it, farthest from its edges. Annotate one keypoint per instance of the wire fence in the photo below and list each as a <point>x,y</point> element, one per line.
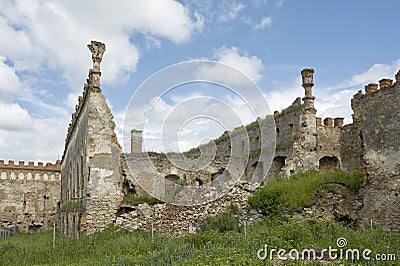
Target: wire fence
<point>4,234</point>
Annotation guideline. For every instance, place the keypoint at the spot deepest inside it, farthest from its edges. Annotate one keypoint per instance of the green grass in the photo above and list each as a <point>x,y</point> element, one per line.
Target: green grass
<point>284,144</point>
<point>142,199</point>
<point>222,222</point>
<point>221,240</point>
<point>222,138</point>
<point>192,151</point>
<point>70,206</point>
<point>115,246</point>
<point>253,124</point>
<point>293,107</point>
<point>255,152</point>
<point>299,190</point>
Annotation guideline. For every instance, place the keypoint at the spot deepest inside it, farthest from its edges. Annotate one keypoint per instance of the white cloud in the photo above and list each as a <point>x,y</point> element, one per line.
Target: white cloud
<point>200,21</point>
<point>229,10</point>
<point>51,36</point>
<point>264,23</point>
<point>246,20</point>
<point>222,103</point>
<point>279,97</point>
<point>336,101</point>
<point>180,126</point>
<point>14,117</point>
<point>252,66</point>
<point>15,44</point>
<point>373,74</point>
<point>279,3</point>
<point>24,136</point>
<point>9,81</point>
<point>56,33</point>
<point>42,141</point>
<point>259,3</point>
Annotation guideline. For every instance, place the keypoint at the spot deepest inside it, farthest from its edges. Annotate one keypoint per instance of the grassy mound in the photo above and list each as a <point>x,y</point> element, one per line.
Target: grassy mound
<point>299,190</point>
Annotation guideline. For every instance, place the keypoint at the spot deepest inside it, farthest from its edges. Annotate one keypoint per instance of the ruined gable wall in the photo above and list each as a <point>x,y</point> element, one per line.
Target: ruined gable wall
<point>91,179</point>
<point>29,195</point>
<point>91,173</point>
<point>378,115</point>
<point>104,189</point>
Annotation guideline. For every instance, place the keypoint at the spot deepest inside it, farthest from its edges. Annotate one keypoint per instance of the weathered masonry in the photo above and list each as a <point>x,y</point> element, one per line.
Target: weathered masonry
<point>377,121</point>
<point>91,184</point>
<point>371,144</point>
<point>87,188</point>
<point>29,195</point>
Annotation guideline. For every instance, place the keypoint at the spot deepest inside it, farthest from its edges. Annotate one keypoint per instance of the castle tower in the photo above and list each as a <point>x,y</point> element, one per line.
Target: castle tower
<point>136,141</point>
<point>306,150</point>
<point>307,75</point>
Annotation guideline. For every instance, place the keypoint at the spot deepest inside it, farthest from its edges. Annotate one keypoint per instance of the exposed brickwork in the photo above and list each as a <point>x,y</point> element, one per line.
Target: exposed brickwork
<point>91,188</point>
<point>378,117</point>
<point>95,175</point>
<point>176,220</point>
<point>29,195</point>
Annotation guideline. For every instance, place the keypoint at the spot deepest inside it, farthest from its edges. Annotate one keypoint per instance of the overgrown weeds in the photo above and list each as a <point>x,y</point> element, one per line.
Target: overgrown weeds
<point>298,190</point>
<point>115,246</point>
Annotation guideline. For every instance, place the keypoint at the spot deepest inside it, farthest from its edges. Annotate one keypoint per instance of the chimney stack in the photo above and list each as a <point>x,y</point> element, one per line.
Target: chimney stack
<point>136,141</point>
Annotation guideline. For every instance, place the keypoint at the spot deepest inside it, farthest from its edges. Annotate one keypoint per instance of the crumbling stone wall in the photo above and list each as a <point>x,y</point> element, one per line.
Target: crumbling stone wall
<point>153,173</point>
<point>287,130</point>
<point>177,220</point>
<point>377,114</point>
<point>328,143</point>
<point>29,195</point>
<point>90,169</point>
<point>74,170</point>
<point>95,174</point>
<point>351,148</point>
<point>303,143</point>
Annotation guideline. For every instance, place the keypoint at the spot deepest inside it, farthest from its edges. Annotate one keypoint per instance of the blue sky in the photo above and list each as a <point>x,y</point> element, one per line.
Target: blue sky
<point>44,60</point>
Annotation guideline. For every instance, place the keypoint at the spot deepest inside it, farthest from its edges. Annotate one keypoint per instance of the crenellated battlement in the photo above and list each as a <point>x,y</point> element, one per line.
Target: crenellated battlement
<point>31,166</point>
<point>372,88</point>
<point>330,122</point>
<point>30,171</point>
<point>373,94</point>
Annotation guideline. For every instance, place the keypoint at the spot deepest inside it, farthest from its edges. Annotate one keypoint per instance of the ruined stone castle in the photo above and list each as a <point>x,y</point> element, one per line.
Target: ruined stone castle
<point>85,191</point>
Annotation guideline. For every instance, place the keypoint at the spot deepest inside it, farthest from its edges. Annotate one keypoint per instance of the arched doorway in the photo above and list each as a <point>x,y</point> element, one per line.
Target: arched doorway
<point>278,163</point>
<point>329,163</point>
<point>173,178</point>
